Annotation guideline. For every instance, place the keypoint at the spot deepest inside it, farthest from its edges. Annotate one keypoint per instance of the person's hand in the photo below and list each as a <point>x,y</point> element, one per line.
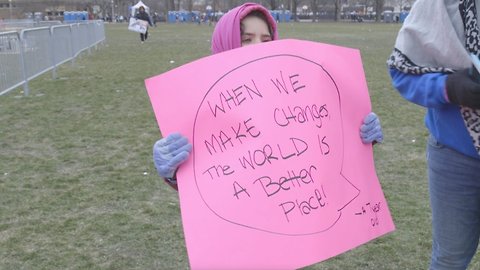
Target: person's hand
<point>463,88</point>
<point>169,153</point>
<point>370,130</point>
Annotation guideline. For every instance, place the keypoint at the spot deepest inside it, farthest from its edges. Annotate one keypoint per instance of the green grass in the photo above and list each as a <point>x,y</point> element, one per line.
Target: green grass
<point>78,189</point>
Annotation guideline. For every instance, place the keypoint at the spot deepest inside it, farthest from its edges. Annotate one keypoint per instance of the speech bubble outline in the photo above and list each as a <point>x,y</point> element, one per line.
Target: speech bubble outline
<point>339,206</point>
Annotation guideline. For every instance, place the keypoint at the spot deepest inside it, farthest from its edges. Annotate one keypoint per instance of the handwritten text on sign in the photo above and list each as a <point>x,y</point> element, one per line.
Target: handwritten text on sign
<point>277,163</point>
<point>280,159</point>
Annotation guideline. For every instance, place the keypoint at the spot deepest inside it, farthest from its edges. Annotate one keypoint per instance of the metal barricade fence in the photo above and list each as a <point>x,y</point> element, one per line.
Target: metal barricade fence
<point>11,69</point>
<point>62,44</point>
<point>84,37</point>
<point>99,29</point>
<point>32,52</point>
<point>76,39</point>
<point>37,53</point>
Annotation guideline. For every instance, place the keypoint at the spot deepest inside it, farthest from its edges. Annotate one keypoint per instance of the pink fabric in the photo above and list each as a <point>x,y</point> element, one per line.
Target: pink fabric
<point>226,35</point>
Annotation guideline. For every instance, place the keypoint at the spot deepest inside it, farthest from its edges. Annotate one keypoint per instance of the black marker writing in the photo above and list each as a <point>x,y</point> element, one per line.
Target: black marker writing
<point>374,209</point>
<point>299,147</point>
<point>297,114</point>
<point>314,202</point>
<point>219,170</point>
<point>324,147</point>
<point>282,87</point>
<point>239,189</point>
<point>292,180</point>
<point>249,130</point>
<point>258,157</point>
<point>294,82</point>
<point>230,98</point>
<point>264,155</point>
<point>220,142</point>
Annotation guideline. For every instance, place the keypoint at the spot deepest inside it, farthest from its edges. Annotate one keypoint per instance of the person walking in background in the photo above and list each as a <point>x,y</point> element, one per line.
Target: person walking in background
<point>143,15</point>
<point>431,66</point>
<point>244,25</point>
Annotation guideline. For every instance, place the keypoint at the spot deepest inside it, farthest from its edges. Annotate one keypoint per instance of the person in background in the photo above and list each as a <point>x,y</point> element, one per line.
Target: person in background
<point>244,25</point>
<point>143,15</point>
<point>431,66</point>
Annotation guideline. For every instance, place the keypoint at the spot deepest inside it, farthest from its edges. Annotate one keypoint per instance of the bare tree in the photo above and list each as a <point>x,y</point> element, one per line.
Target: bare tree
<point>314,6</point>
<point>214,9</point>
<point>105,6</point>
<point>122,7</point>
<point>379,9</point>
<point>170,5</point>
<point>294,9</point>
<point>231,4</point>
<point>190,5</point>
<point>273,4</point>
<point>338,9</point>
<point>287,5</point>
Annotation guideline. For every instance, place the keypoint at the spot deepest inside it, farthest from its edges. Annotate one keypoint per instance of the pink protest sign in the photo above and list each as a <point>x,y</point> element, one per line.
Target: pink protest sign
<point>278,177</point>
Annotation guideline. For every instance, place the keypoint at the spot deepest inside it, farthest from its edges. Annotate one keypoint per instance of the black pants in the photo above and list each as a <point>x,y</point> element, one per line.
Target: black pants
<point>144,37</point>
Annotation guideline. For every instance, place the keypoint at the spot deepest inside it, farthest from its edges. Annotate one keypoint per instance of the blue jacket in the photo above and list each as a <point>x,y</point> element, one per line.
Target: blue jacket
<point>443,119</point>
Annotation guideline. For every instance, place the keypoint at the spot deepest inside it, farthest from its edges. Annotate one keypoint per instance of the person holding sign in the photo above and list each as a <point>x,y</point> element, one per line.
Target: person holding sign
<point>244,25</point>
<point>431,66</point>
<point>143,15</point>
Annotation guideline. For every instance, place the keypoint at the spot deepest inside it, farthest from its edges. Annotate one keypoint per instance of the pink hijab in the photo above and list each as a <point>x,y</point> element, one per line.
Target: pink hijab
<point>226,35</point>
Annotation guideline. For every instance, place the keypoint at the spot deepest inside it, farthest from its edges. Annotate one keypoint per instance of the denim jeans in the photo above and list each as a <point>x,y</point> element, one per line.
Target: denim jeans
<point>454,183</point>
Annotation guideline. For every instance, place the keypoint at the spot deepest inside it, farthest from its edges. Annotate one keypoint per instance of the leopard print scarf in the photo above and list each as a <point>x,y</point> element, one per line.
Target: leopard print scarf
<point>471,117</point>
<point>401,62</point>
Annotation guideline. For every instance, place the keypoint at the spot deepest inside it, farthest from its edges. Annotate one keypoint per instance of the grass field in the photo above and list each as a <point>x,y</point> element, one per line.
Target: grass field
<point>78,189</point>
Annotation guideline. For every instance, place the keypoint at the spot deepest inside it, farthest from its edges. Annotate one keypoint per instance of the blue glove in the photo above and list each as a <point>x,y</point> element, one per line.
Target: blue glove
<point>169,153</point>
<point>371,131</point>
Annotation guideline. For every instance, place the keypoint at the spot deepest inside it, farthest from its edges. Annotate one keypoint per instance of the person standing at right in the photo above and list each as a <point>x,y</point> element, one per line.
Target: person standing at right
<point>431,66</point>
